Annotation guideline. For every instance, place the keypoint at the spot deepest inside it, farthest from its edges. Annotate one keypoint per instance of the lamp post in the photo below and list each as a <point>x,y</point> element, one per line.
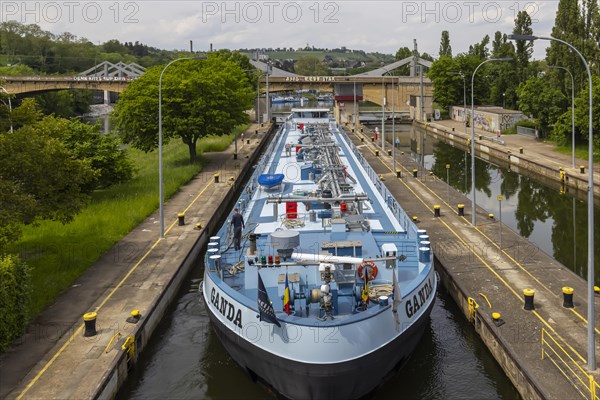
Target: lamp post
<point>160,141</point>
<point>267,106</point>
<point>500,212</point>
<point>572,112</point>
<point>354,116</point>
<point>474,205</point>
<point>383,112</point>
<point>9,108</point>
<point>591,300</point>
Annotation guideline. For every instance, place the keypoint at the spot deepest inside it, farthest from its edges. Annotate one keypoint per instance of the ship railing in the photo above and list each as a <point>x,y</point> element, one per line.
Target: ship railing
<point>582,381</point>
<point>401,216</point>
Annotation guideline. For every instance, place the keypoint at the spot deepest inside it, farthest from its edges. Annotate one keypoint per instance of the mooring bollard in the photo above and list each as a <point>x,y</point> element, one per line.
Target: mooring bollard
<point>198,226</point>
<point>247,141</point>
<point>582,169</point>
<point>372,138</point>
<point>491,216</point>
<point>216,176</point>
<point>389,153</point>
<point>415,171</point>
<point>376,153</point>
<point>521,150</point>
<point>461,210</point>
<point>362,139</point>
<point>567,297</point>
<point>497,319</point>
<point>398,173</point>
<point>89,319</point>
<point>134,317</point>
<point>235,156</point>
<point>415,219</point>
<point>529,299</point>
<point>436,210</point>
<point>181,219</point>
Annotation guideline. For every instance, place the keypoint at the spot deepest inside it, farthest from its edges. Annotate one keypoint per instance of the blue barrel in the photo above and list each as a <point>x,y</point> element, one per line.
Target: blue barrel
<point>423,238</point>
<point>216,239</point>
<point>425,243</point>
<point>213,245</point>
<point>424,254</point>
<point>383,301</point>
<point>421,232</point>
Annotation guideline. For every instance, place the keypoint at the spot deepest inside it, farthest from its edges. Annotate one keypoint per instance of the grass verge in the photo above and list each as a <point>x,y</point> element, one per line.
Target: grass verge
<point>58,254</point>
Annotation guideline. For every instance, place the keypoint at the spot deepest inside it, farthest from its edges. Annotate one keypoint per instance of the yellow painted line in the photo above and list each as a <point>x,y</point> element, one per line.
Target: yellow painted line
<point>508,286</point>
<point>112,292</point>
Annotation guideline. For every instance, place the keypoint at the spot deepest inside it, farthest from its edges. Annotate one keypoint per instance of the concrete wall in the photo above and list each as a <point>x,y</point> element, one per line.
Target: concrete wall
<point>488,120</point>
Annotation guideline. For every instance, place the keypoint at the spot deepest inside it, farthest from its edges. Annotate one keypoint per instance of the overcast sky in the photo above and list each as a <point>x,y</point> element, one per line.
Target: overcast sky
<point>381,26</point>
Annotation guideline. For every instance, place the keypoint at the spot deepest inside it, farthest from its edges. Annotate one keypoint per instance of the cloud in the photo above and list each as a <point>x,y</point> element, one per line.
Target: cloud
<point>378,25</point>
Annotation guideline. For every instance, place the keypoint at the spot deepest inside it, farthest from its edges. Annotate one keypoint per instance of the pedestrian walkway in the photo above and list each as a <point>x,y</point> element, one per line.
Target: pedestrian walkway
<point>515,142</point>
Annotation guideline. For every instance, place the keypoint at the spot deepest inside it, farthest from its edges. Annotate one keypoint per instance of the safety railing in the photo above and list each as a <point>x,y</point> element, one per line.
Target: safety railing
<point>583,382</point>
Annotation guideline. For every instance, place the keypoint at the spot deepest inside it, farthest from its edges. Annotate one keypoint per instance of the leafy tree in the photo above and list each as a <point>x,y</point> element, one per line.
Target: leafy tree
<point>310,66</point>
<point>15,294</point>
<point>65,103</point>
<point>445,48</point>
<point>447,86</point>
<point>562,128</point>
<point>524,48</point>
<point>109,163</point>
<point>540,100</point>
<point>480,49</point>
<point>199,98</point>
<point>39,179</point>
<point>24,114</point>
<point>568,26</point>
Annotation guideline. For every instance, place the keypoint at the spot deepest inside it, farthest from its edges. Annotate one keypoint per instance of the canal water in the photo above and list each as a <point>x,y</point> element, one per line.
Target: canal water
<point>185,360</point>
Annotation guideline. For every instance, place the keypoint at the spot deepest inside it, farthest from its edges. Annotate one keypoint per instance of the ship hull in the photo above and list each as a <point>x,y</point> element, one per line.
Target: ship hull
<point>344,380</point>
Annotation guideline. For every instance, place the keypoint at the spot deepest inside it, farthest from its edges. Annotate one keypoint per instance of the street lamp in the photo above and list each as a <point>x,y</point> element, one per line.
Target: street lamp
<point>591,300</point>
<point>9,108</point>
<point>160,141</point>
<point>474,205</point>
<point>500,212</point>
<point>572,111</point>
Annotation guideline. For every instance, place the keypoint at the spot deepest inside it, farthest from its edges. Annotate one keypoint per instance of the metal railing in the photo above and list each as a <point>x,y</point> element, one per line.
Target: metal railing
<point>582,381</point>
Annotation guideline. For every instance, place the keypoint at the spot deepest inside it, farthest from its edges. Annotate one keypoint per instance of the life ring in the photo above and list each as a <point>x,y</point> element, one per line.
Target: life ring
<point>368,268</point>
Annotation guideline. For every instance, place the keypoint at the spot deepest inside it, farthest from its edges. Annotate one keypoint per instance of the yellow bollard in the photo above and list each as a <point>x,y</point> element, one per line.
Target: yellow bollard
<point>461,210</point>
<point>89,320</point>
<point>529,293</point>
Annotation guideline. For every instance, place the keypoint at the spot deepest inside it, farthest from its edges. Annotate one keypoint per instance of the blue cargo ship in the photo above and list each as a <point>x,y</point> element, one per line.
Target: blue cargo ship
<point>331,285</point>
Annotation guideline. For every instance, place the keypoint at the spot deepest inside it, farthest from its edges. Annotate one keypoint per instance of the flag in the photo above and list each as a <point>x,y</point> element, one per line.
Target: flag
<point>397,299</point>
<point>265,308</point>
<point>365,292</point>
<point>286,296</point>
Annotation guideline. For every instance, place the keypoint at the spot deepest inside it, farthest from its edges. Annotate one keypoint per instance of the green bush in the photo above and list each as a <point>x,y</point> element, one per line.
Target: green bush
<point>14,298</point>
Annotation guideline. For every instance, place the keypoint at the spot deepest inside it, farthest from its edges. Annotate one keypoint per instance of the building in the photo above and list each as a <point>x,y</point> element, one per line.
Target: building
<point>488,118</point>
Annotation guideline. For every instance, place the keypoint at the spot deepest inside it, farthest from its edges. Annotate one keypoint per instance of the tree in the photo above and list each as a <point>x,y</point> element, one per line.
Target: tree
<point>445,48</point>
<point>25,113</point>
<point>107,160</point>
<point>199,98</point>
<point>524,48</point>
<point>39,179</point>
<point>540,100</point>
<point>480,49</point>
<point>310,66</point>
<point>562,128</point>
<point>447,86</point>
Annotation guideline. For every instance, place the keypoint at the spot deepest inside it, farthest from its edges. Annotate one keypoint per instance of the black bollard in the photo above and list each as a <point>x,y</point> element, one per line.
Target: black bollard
<point>398,173</point>
<point>415,171</point>
<point>529,299</point>
<point>461,210</point>
<point>567,297</point>
<point>436,210</point>
<point>89,320</point>
<point>181,219</point>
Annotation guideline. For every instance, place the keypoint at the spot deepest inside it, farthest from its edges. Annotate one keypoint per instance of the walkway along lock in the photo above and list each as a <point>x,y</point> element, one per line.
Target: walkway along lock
<point>529,299</point>
<point>89,319</point>
<point>568,297</point>
<point>461,210</point>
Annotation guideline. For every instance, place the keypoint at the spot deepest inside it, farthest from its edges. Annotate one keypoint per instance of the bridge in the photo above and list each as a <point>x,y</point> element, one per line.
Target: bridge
<point>374,86</point>
<point>104,76</point>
